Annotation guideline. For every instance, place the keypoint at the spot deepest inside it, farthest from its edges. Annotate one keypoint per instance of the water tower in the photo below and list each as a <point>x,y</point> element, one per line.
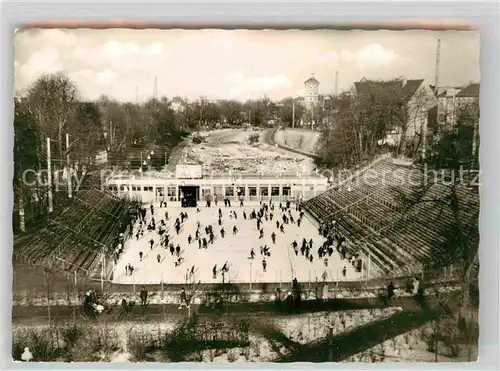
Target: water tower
<point>311,98</point>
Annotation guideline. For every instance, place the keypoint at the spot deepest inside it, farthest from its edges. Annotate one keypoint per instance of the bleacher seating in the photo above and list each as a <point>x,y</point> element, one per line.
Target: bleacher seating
<point>76,239</point>
<point>370,214</point>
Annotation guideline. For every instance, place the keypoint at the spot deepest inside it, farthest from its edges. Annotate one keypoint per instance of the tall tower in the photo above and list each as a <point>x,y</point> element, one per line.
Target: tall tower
<point>155,89</point>
<point>336,83</point>
<point>311,98</point>
<point>438,55</point>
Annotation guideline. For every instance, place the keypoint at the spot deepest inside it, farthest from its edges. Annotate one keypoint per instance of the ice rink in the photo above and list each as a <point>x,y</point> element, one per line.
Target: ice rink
<point>282,265</point>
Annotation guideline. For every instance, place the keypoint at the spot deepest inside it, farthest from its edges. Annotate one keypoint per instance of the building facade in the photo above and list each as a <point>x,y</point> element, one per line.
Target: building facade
<point>311,97</point>
<point>155,187</point>
<point>451,100</point>
<point>419,99</point>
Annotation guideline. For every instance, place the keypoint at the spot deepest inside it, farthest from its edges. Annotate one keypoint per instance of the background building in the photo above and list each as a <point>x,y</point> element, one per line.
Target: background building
<point>311,97</point>
<point>451,98</point>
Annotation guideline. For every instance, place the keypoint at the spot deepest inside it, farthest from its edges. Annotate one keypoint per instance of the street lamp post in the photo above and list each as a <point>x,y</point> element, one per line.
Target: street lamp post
<point>49,177</point>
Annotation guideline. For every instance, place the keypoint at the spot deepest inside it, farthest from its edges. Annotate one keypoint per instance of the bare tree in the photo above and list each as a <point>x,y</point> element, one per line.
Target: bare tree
<point>52,99</point>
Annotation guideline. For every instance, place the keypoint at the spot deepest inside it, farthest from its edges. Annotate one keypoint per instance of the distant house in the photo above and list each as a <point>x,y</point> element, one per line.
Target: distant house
<point>469,94</point>
<point>419,98</point>
<point>178,104</point>
<point>451,99</point>
<point>446,105</point>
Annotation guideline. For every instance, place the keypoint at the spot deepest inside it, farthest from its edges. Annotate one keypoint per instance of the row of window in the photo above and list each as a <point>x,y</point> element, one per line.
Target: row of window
<point>218,190</point>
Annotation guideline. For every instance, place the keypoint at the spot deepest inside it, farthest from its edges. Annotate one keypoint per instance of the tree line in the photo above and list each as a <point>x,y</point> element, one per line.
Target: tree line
<point>53,107</point>
<point>383,117</point>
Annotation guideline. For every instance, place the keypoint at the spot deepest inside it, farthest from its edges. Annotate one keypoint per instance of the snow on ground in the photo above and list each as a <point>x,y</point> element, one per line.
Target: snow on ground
<point>282,265</point>
<point>230,150</point>
<point>301,328</point>
<point>309,327</point>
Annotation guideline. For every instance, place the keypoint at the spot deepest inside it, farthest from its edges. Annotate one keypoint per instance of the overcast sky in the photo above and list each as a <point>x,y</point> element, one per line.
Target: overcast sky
<point>238,64</point>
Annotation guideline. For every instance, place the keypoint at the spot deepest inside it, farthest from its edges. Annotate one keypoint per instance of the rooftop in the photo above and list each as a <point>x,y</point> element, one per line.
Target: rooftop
<point>311,80</point>
<point>470,91</point>
<point>407,88</point>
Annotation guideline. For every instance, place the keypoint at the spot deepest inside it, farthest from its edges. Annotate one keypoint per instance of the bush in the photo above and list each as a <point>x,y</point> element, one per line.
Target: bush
<point>197,139</point>
<point>42,344</point>
<point>19,341</point>
<point>71,335</point>
<point>430,340</point>
<point>140,344</point>
<point>253,138</point>
<point>97,345</point>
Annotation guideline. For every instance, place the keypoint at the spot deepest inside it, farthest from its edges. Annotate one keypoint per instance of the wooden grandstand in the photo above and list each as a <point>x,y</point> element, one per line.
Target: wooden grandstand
<point>80,237</point>
<point>372,218</point>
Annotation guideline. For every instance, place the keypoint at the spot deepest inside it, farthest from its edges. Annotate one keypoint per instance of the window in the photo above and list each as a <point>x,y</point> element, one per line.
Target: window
<point>229,191</point>
<point>264,191</point>
<point>148,189</point>
<point>122,188</point>
<point>218,190</point>
<point>287,191</point>
<point>110,188</point>
<point>275,191</point>
<point>171,193</point>
<point>241,191</point>
<point>252,191</point>
<point>159,191</point>
<point>115,188</point>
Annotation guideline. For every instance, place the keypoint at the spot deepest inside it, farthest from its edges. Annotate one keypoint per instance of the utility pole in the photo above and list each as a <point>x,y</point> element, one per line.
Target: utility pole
<point>424,138</point>
<point>49,177</point>
<point>22,219</point>
<point>438,55</point>
<point>155,92</point>
<point>70,189</point>
<point>293,113</point>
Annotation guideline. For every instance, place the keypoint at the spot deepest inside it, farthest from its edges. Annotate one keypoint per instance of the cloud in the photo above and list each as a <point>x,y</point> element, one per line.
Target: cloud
<point>116,48</point>
<point>106,77</point>
<point>373,55</point>
<point>234,64</point>
<point>328,57</point>
<point>40,63</point>
<point>247,86</point>
<point>154,48</point>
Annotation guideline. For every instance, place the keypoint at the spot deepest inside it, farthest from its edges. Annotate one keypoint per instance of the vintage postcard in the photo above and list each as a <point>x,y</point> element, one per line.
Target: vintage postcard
<point>246,196</point>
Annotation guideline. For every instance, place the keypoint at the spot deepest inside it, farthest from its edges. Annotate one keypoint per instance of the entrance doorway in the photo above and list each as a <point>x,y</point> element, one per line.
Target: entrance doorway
<point>189,195</point>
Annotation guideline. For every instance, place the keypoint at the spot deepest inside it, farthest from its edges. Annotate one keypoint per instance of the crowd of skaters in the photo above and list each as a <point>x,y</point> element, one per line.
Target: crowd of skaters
<point>204,236</point>
<point>327,230</point>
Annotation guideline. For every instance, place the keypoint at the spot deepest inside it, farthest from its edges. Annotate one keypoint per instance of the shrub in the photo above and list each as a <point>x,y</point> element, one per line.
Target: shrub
<point>140,344</point>
<point>197,139</point>
<point>231,356</point>
<point>20,340</point>
<point>430,340</point>
<point>97,345</point>
<point>253,138</point>
<point>71,335</point>
<point>43,345</point>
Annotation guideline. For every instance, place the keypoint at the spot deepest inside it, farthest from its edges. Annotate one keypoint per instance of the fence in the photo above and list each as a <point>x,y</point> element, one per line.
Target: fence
<point>57,289</point>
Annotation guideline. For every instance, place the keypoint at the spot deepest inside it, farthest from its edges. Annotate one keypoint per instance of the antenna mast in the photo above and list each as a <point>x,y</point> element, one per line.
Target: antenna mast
<point>336,83</point>
<point>155,91</point>
<point>438,55</point>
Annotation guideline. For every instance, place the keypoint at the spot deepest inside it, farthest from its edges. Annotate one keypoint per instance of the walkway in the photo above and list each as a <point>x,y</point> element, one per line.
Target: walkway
<point>152,312</point>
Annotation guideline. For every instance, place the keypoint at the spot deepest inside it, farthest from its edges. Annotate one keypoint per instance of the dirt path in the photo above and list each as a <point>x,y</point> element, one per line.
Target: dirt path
<point>176,155</point>
<point>156,312</point>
